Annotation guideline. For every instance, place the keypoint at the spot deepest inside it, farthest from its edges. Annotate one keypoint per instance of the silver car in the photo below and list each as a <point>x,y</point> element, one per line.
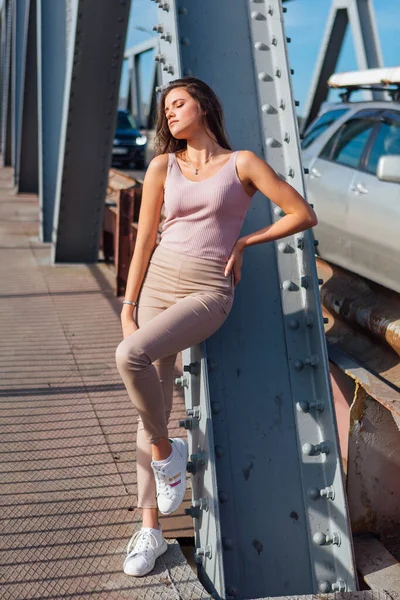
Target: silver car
<point>352,151</point>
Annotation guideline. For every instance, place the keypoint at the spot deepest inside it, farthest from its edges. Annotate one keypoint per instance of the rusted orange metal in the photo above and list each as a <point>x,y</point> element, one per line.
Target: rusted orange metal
<point>361,303</point>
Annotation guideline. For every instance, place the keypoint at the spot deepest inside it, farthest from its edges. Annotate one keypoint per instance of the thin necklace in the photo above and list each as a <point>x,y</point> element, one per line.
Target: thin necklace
<point>195,169</point>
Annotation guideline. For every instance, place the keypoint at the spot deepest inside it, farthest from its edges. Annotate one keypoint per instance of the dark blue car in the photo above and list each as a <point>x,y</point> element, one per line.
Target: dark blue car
<point>129,144</point>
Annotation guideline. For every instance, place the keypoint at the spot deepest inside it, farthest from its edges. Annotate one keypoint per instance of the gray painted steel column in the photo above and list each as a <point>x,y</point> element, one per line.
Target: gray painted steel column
<point>269,507</point>
<point>361,15</point>
<point>28,180</point>
<point>6,112</point>
<point>52,67</point>
<point>20,35</point>
<point>88,127</point>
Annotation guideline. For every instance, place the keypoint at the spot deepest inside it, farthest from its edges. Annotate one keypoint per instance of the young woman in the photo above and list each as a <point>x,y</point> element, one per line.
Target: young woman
<point>182,290</point>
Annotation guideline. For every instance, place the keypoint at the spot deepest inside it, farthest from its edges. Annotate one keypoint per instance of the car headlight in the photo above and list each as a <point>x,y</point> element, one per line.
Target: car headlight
<point>140,141</point>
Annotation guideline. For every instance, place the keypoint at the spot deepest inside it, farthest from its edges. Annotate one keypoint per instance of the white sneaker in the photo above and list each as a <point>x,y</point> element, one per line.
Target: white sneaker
<point>171,477</point>
<point>143,549</point>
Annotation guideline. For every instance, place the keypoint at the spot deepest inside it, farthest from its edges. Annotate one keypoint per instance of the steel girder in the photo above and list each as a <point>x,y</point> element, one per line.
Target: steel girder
<point>360,14</point>
<point>19,42</point>
<point>6,88</point>
<point>52,66</point>
<point>27,157</point>
<point>269,507</point>
<point>88,127</point>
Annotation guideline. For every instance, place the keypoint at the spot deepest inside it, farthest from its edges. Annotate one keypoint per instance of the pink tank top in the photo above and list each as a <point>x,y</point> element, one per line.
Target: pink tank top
<point>203,218</point>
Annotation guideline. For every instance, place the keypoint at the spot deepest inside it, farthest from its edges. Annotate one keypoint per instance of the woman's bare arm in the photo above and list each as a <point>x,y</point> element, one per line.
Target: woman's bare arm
<point>149,219</point>
<point>299,214</point>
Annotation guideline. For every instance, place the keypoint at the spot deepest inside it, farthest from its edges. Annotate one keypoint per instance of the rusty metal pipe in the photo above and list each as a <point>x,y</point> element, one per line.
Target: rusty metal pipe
<point>355,300</point>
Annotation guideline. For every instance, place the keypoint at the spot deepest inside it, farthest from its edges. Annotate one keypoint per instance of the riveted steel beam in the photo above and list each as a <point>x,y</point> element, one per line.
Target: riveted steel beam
<point>52,67</point>
<point>88,125</point>
<point>360,14</point>
<point>6,88</point>
<point>271,473</point>
<point>19,41</point>
<point>27,159</point>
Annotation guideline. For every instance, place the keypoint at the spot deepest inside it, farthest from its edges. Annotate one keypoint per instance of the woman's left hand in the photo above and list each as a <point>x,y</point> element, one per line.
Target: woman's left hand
<point>235,262</point>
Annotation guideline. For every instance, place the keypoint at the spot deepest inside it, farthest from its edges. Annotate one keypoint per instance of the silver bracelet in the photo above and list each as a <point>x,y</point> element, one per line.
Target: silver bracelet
<point>129,302</point>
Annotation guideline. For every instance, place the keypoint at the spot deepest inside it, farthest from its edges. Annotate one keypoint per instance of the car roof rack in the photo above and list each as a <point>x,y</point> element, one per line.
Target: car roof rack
<point>379,80</point>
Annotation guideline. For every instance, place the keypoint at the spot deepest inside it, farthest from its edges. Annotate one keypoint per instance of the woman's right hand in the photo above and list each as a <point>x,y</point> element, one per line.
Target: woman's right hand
<point>128,324</point>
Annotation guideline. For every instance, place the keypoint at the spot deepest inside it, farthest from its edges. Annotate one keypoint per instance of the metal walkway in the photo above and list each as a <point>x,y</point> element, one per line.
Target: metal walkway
<point>67,449</point>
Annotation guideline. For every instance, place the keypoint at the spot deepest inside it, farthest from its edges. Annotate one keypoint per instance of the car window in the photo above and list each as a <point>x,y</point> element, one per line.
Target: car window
<point>126,121</point>
<point>346,146</point>
<point>321,125</point>
<point>386,142</point>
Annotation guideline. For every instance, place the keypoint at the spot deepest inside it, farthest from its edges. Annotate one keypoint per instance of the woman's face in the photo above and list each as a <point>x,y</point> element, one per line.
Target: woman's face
<point>183,113</point>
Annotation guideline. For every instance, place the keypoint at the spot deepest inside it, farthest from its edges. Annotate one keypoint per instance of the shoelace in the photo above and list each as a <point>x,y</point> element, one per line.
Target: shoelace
<point>143,539</point>
<point>162,479</point>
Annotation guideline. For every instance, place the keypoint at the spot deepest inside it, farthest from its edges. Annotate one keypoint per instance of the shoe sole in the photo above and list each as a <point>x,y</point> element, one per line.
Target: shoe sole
<point>183,469</point>
<point>163,550</point>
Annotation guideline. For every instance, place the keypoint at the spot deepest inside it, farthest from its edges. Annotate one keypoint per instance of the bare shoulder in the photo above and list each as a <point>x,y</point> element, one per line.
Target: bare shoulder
<point>248,159</point>
<point>159,164</point>
<point>156,172</point>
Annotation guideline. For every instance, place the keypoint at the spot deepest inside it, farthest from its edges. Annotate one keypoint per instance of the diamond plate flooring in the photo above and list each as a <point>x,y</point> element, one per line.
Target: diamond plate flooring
<point>67,445</point>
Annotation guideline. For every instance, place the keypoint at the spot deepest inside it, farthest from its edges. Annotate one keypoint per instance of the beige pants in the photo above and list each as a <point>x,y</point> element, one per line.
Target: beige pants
<point>183,300</point>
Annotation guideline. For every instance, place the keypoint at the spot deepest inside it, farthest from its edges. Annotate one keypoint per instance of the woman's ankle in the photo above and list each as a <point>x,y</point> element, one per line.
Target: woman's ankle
<point>150,518</point>
<point>161,450</point>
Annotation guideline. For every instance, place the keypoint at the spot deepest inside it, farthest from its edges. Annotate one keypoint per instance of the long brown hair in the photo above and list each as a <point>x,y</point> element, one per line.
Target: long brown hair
<point>209,103</point>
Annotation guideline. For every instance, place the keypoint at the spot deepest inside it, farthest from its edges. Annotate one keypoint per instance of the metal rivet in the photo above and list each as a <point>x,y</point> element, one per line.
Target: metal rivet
<point>268,108</point>
<point>260,46</point>
<point>223,497</point>
<point>282,104</point>
<point>324,587</point>
<point>339,586</point>
<point>298,365</point>
<point>227,543</point>
<point>286,137</point>
<point>323,540</point>
<point>215,408</point>
<point>264,76</point>
<point>312,361</point>
<point>258,16</point>
<point>293,324</point>
<point>272,142</point>
<point>278,73</point>
<point>315,449</point>
<point>284,247</point>
<point>274,41</point>
<point>219,452</point>
<point>291,172</point>
<point>185,41</point>
<point>206,551</point>
<point>304,281</point>
<point>289,285</point>
<point>307,406</point>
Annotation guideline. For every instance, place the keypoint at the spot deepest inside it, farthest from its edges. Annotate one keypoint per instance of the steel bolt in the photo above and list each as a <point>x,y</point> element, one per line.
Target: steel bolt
<point>193,511</point>
<point>183,381</point>
<point>323,540</point>
<point>193,368</point>
<point>324,587</point>
<point>257,16</point>
<point>339,586</point>
<point>206,551</point>
<point>289,286</point>
<point>315,449</point>
<point>186,423</point>
<point>284,247</point>
<point>194,412</point>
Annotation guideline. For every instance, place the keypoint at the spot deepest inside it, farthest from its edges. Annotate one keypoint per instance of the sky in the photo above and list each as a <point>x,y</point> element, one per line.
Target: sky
<point>305,22</point>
